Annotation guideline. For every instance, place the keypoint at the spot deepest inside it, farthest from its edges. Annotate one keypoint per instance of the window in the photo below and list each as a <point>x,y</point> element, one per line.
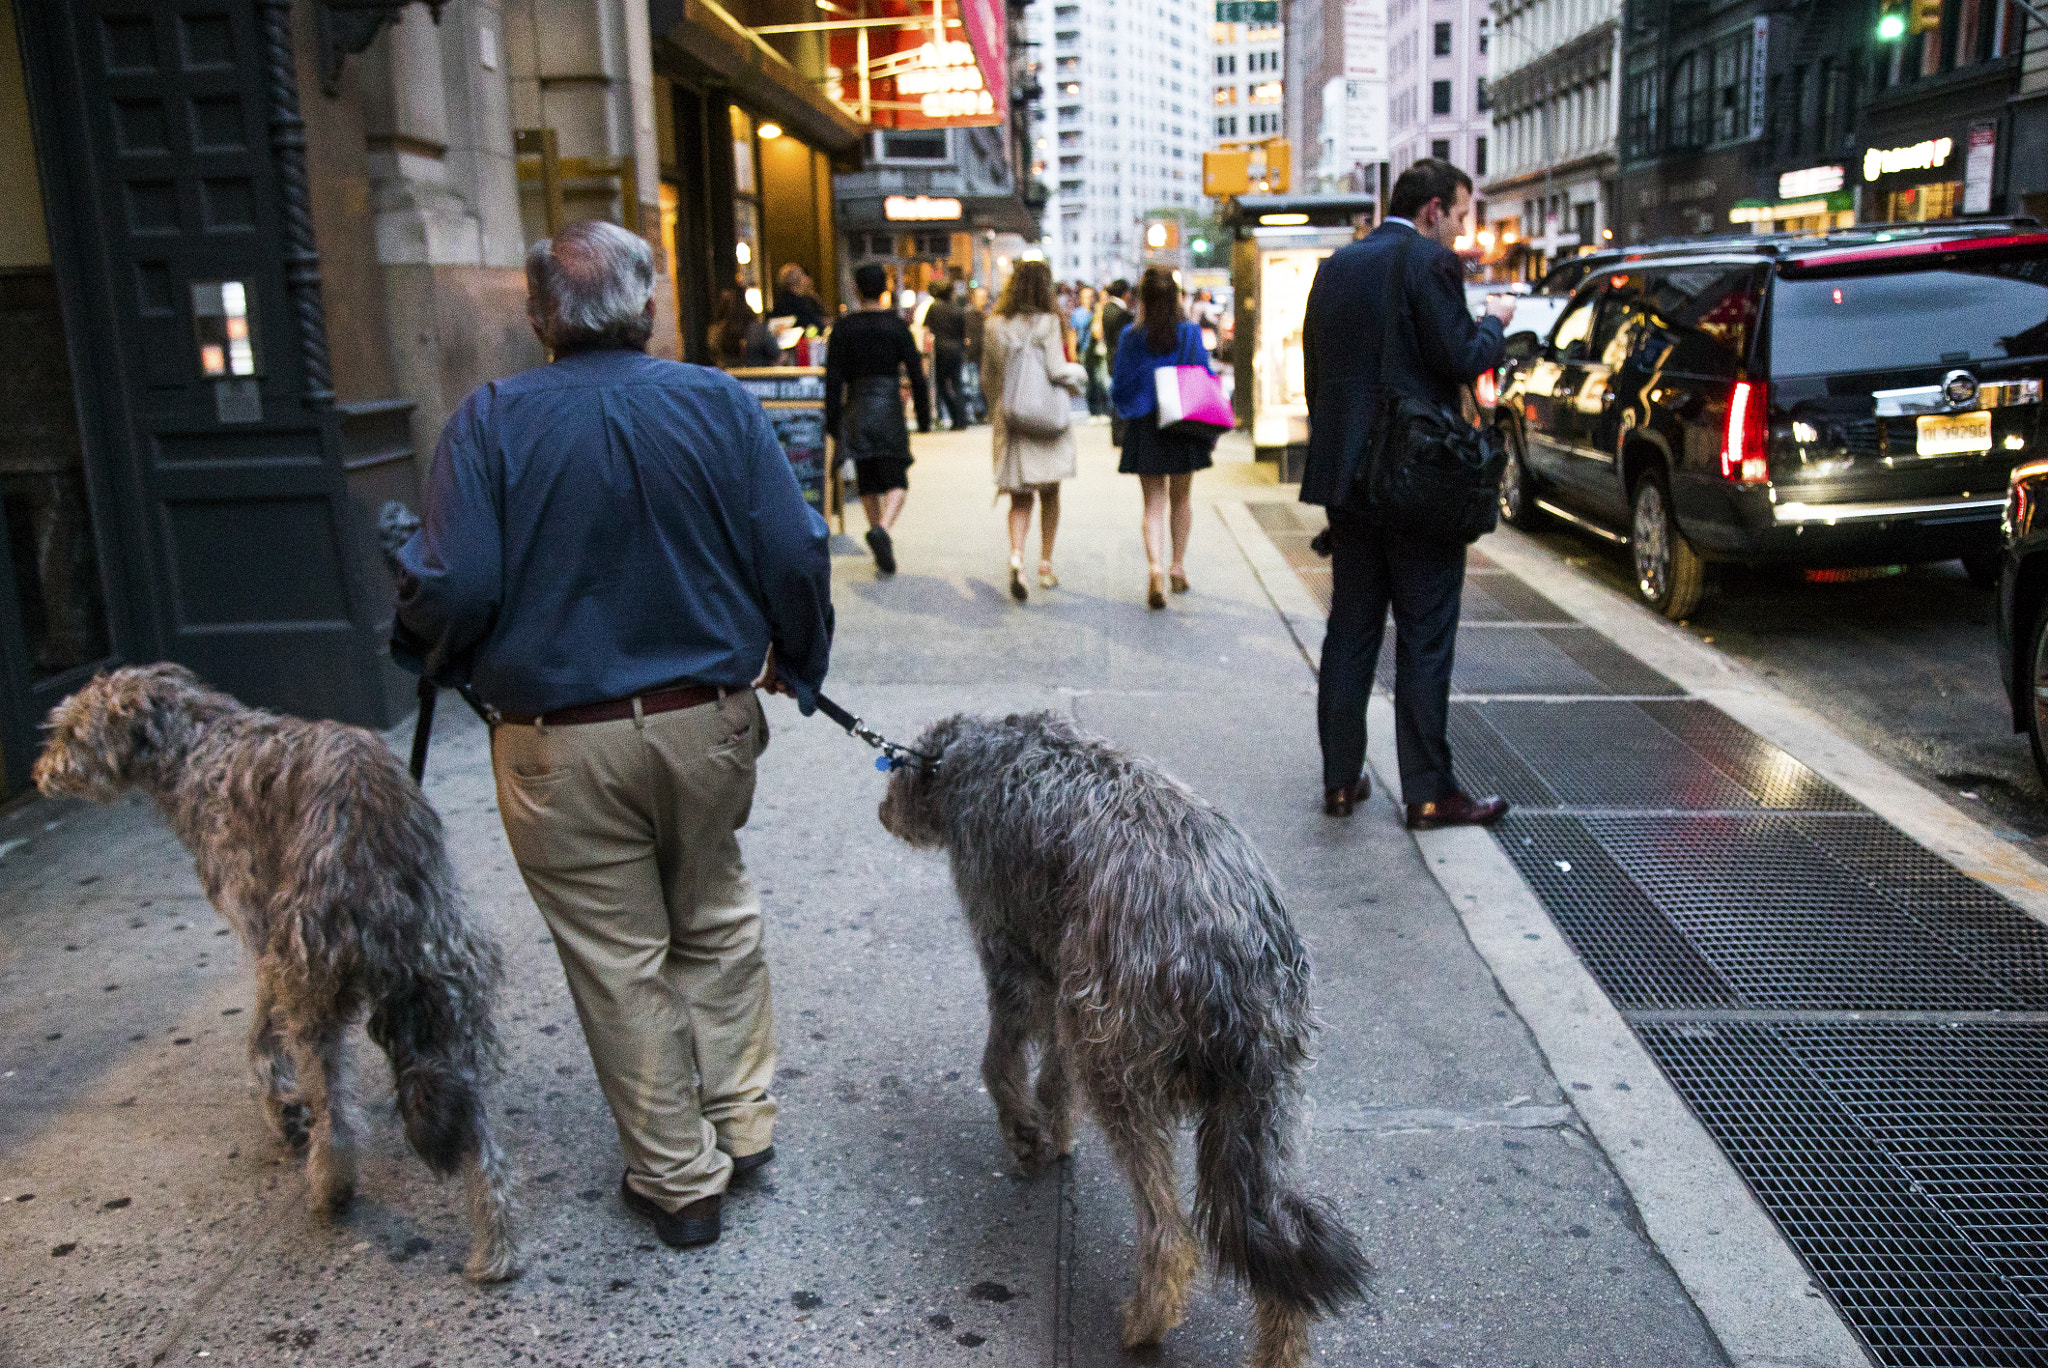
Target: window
<point>922,144</point>
<point>1442,46</point>
<point>1582,215</point>
<point>1983,312</point>
<point>1485,34</point>
<point>1441,149</point>
<point>1440,97</point>
<point>1227,65</point>
<point>1690,98</point>
<point>1226,128</point>
<point>1479,158</point>
<point>1706,313</point>
<point>1485,100</point>
<point>1731,90</point>
<point>1642,115</point>
<point>1574,326</point>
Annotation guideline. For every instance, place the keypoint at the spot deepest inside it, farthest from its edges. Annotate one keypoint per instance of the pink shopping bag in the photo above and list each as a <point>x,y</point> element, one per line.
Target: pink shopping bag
<point>1191,402</point>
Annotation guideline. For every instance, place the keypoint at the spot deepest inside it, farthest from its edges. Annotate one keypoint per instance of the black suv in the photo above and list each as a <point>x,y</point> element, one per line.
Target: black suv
<point>1851,400</point>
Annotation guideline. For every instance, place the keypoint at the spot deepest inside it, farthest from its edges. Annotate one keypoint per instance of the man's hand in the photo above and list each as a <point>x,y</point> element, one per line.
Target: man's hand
<point>1501,307</point>
<point>771,680</point>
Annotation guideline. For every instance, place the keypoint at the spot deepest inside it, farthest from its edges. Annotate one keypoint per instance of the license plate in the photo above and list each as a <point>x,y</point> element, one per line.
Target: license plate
<point>1954,434</point>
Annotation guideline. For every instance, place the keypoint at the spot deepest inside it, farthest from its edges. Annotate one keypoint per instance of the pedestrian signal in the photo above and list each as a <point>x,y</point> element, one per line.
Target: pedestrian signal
<point>1226,173</point>
<point>1926,17</point>
<point>1279,166</point>
<point>1891,20</point>
<point>1162,235</point>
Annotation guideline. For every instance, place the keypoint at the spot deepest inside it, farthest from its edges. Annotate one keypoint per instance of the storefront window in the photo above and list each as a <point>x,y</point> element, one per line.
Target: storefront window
<point>746,212</point>
<point>1918,203</point>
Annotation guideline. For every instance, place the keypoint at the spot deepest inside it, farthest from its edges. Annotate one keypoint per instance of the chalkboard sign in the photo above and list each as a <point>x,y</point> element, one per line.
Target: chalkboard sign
<point>794,399</point>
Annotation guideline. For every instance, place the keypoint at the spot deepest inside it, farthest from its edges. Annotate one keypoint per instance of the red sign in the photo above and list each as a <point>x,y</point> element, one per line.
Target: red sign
<point>926,74</point>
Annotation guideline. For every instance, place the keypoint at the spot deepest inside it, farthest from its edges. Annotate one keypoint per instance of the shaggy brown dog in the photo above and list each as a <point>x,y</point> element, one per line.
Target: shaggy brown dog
<point>1134,935</point>
<point>314,844</point>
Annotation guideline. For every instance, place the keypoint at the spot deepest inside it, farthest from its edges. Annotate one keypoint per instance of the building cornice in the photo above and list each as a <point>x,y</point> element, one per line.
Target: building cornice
<point>1572,63</point>
<point>1599,163</point>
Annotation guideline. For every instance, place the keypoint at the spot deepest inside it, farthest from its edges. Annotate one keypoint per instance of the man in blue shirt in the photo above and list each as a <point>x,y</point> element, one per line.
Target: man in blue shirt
<point>615,553</point>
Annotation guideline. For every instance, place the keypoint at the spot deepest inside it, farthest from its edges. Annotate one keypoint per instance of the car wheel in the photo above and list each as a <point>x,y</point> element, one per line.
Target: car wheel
<point>1517,488</point>
<point>2036,685</point>
<point>1982,569</point>
<point>1670,575</point>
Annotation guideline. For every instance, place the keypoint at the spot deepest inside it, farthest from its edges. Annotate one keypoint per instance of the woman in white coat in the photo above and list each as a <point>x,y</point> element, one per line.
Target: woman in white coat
<point>1027,331</point>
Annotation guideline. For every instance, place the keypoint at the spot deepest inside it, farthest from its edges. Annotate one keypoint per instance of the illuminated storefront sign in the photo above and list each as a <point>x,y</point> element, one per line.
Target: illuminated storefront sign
<point>946,83</point>
<point>1921,156</point>
<point>919,209</point>
<point>1814,180</point>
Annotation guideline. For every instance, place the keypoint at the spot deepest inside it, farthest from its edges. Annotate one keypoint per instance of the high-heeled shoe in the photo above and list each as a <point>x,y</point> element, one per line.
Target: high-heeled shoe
<point>1155,591</point>
<point>1178,580</point>
<point>1017,589</point>
<point>1046,578</point>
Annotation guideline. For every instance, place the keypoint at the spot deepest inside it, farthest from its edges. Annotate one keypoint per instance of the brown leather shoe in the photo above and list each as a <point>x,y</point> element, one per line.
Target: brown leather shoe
<point>1457,810</point>
<point>694,1225</point>
<point>1338,802</point>
<point>745,1166</point>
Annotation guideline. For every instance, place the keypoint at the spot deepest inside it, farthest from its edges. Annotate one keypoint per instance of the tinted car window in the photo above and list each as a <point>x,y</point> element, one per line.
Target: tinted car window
<point>1704,314</point>
<point>1610,340</point>
<point>1576,323</point>
<point>1563,280</point>
<point>1910,318</point>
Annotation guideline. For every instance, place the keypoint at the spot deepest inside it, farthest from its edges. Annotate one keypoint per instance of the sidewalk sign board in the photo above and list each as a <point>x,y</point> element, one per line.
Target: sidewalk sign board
<point>794,397</point>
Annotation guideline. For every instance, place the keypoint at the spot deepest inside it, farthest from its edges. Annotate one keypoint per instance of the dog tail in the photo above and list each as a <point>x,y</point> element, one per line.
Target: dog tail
<point>1289,1249</point>
<point>420,1024</point>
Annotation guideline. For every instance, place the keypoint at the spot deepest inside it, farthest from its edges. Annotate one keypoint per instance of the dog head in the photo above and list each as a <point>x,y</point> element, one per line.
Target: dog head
<point>115,731</point>
<point>910,810</point>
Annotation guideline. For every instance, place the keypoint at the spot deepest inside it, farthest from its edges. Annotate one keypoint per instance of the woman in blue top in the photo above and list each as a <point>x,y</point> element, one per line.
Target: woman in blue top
<point>1164,462</point>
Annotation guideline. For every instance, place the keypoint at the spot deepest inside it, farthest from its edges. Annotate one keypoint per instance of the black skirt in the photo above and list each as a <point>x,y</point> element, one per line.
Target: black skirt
<point>1148,451</point>
<point>880,474</point>
<point>871,426</point>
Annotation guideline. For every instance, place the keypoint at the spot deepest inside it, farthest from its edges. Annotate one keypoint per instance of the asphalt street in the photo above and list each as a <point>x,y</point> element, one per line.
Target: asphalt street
<point>148,1217</point>
<point>1904,660</point>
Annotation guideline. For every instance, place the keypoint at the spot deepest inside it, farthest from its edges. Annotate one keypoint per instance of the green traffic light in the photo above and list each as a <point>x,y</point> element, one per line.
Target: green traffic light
<point>1891,26</point>
<point>1200,244</point>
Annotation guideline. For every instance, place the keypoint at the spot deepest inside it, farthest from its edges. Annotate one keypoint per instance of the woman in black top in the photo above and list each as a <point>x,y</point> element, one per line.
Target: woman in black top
<point>864,408</point>
<point>739,337</point>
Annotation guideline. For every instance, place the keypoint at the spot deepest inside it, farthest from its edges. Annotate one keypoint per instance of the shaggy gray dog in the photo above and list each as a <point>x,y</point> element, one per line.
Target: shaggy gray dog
<point>314,844</point>
<point>1134,936</point>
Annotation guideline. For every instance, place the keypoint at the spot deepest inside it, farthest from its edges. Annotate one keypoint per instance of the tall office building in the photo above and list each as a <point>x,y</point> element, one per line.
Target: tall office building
<point>1437,103</point>
<point>1337,92</point>
<point>1247,65</point>
<point>1123,127</point>
<point>1554,84</point>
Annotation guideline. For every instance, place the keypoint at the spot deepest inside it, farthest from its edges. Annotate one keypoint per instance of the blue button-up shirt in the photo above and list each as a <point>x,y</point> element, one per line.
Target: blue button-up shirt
<point>607,524</point>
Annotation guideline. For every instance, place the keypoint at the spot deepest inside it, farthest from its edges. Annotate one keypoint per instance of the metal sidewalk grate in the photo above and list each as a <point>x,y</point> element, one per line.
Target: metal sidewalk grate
<point>1549,661</point>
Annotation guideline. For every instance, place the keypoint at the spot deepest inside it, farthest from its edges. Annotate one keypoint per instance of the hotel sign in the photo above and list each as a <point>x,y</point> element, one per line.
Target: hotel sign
<point>1814,180</point>
<point>919,209</point>
<point>1921,156</point>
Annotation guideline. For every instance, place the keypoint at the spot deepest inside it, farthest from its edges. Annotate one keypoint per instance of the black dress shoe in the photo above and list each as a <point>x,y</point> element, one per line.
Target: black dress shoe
<point>696,1224</point>
<point>1457,810</point>
<point>884,549</point>
<point>745,1165</point>
<point>1338,802</point>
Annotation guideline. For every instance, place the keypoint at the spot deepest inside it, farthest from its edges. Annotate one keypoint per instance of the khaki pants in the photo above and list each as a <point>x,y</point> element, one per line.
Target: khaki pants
<point>624,832</point>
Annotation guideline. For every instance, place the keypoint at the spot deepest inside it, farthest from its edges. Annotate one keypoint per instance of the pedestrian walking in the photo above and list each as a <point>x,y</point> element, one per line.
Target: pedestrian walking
<point>739,337</point>
<point>1110,321</point>
<point>612,546</point>
<point>1435,348</point>
<point>1164,462</point>
<point>1029,380</point>
<point>970,373</point>
<point>864,406</point>
<point>947,323</point>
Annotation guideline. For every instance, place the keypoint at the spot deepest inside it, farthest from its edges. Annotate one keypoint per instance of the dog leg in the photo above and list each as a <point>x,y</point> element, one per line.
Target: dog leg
<point>1055,1090</point>
<point>1006,1068</point>
<point>322,1057</point>
<point>1283,1335</point>
<point>1143,1145</point>
<point>487,1186</point>
<point>270,1065</point>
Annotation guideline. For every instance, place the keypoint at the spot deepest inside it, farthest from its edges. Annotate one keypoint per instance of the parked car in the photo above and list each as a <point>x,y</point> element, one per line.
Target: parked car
<point>1853,400</point>
<point>1536,312</point>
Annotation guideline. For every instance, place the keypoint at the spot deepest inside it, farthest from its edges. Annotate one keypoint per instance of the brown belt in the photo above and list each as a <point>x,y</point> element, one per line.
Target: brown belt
<point>654,701</point>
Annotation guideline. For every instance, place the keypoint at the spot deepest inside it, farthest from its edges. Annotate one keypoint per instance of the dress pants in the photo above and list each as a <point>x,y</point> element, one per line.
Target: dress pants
<point>625,834</point>
<point>1373,568</point>
<point>946,365</point>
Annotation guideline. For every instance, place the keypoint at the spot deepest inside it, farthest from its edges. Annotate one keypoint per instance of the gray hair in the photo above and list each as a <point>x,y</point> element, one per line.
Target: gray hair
<point>588,287</point>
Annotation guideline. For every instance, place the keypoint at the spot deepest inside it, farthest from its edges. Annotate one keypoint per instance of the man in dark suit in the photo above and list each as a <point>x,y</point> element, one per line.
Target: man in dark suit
<point>1436,348</point>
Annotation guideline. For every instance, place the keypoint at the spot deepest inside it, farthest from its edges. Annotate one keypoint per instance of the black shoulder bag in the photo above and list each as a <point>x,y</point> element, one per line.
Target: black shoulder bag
<point>1432,474</point>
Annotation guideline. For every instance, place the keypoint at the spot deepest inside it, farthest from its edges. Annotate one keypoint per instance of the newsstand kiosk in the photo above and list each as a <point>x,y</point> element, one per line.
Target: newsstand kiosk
<point>1277,241</point>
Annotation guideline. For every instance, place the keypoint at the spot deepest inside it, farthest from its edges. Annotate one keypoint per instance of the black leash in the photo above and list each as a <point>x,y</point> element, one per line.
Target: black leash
<point>423,725</point>
<point>893,756</point>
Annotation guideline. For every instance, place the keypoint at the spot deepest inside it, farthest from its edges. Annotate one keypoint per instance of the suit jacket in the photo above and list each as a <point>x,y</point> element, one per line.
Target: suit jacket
<point>1437,348</point>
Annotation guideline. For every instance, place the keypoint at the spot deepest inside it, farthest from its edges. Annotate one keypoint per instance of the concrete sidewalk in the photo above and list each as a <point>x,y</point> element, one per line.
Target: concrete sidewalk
<point>146,1217</point>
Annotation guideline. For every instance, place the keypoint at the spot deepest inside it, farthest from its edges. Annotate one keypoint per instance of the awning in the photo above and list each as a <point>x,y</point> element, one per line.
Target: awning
<point>921,63</point>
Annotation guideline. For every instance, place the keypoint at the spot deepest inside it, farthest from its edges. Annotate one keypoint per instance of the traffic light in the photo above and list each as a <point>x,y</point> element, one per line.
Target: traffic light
<point>1279,166</point>
<point>1891,20</point>
<point>1926,17</point>
<point>1226,173</point>
<point>1163,235</point>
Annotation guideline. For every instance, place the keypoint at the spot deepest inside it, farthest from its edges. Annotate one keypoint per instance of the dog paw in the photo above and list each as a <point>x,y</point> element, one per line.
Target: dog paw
<point>1032,1147</point>
<point>332,1198</point>
<point>1143,1326</point>
<point>294,1125</point>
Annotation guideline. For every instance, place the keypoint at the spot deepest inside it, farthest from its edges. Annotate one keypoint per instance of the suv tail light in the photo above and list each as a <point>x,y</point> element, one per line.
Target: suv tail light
<point>1743,455</point>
